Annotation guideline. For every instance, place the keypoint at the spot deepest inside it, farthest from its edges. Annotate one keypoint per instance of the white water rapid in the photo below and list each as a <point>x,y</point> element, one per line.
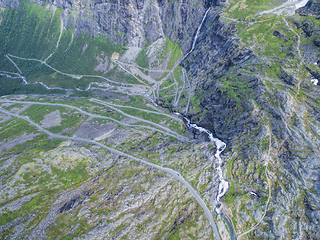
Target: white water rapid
<point>223,184</point>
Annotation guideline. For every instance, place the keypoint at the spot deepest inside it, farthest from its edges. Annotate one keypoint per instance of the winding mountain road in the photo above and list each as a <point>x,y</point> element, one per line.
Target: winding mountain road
<point>178,136</point>
<point>169,171</point>
<point>95,116</point>
<point>137,66</point>
<point>189,96</point>
<point>76,76</point>
<point>147,111</point>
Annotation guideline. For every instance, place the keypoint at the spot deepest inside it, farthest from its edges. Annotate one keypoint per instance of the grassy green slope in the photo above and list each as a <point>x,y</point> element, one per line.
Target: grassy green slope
<point>32,31</point>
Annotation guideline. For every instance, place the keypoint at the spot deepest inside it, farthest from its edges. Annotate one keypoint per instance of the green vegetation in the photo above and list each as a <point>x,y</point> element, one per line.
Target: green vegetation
<point>29,31</point>
<point>16,128</point>
<point>80,57</point>
<point>117,75</point>
<point>15,86</point>
<point>70,118</point>
<point>32,31</point>
<point>175,52</point>
<point>36,113</point>
<point>72,176</point>
<point>229,166</point>
<point>142,58</point>
<point>169,51</point>
<point>232,194</point>
<point>236,88</point>
<point>246,9</point>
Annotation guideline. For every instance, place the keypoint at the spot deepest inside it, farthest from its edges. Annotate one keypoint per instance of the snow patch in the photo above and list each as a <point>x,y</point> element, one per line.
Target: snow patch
<point>314,81</point>
<point>288,8</point>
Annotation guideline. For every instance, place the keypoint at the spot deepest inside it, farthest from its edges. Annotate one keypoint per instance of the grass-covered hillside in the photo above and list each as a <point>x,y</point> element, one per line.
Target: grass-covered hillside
<point>31,35</point>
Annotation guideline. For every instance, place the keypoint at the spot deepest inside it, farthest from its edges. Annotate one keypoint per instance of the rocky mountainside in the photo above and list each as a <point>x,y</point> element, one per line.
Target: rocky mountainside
<point>131,23</point>
<point>250,75</point>
<point>311,8</point>
<point>268,113</point>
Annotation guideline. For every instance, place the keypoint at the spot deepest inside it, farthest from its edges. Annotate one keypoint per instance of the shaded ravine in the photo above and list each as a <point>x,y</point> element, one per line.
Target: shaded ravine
<point>190,51</point>
<point>223,184</point>
<point>169,171</point>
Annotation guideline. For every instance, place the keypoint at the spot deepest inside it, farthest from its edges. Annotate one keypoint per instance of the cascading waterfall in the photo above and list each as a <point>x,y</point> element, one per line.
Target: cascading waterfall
<point>193,43</point>
<point>196,36</point>
<point>223,184</point>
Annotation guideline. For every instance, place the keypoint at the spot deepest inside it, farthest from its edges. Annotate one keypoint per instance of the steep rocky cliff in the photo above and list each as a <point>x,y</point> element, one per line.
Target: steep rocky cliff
<point>311,8</point>
<point>252,96</point>
<point>131,23</point>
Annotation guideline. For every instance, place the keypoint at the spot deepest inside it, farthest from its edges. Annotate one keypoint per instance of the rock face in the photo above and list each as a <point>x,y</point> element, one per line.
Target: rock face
<point>311,8</point>
<point>240,109</point>
<point>8,3</point>
<point>133,22</point>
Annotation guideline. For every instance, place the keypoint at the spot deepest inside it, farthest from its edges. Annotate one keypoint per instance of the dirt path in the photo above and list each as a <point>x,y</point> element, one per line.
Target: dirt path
<point>146,69</point>
<point>268,157</point>
<point>287,8</point>
<point>299,54</point>
<point>189,96</point>
<point>77,76</point>
<point>182,89</point>
<point>130,73</point>
<point>58,42</point>
<point>267,160</point>
<point>133,88</point>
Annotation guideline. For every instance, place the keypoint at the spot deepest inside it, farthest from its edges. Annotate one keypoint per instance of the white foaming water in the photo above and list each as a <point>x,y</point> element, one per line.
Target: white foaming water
<point>198,30</point>
<point>192,47</point>
<point>223,184</point>
<point>195,37</point>
<point>314,81</point>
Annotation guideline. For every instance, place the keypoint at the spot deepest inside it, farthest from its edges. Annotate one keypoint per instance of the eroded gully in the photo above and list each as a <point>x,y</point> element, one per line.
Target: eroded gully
<point>223,184</point>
